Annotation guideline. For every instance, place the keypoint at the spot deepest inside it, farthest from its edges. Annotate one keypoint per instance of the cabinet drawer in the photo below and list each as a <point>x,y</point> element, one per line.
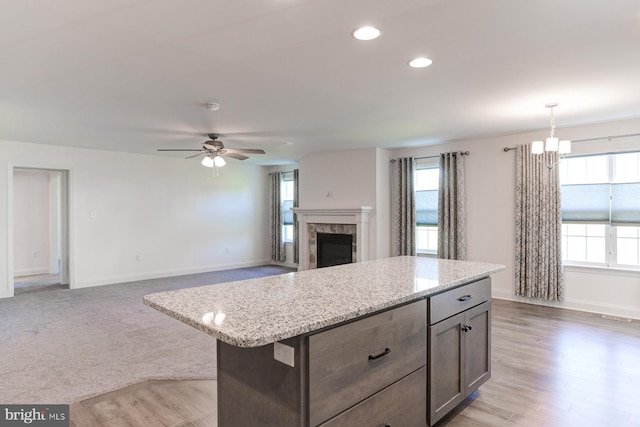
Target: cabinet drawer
<point>351,362</point>
<point>459,299</point>
<point>402,404</point>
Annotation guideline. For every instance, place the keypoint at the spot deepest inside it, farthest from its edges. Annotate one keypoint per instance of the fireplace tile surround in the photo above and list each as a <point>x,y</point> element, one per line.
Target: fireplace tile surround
<point>354,221</point>
<point>315,228</point>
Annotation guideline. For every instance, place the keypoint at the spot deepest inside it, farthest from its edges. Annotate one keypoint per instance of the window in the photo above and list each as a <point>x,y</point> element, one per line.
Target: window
<point>286,202</point>
<point>601,210</point>
<point>426,188</point>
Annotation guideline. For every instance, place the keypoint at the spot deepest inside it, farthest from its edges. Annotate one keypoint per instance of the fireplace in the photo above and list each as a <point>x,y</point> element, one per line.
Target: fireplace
<point>353,222</point>
<point>334,249</point>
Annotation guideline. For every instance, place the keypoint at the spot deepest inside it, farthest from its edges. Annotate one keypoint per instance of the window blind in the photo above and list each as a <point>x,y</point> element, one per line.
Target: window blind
<point>287,213</point>
<point>625,204</point>
<point>427,207</point>
<point>616,204</point>
<point>585,203</point>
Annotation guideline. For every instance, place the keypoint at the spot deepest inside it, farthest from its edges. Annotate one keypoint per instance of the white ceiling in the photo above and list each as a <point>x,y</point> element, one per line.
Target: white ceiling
<point>134,76</point>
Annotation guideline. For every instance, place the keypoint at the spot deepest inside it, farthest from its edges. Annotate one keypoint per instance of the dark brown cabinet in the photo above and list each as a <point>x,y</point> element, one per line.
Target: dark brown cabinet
<point>408,365</point>
<point>459,358</point>
<point>367,372</point>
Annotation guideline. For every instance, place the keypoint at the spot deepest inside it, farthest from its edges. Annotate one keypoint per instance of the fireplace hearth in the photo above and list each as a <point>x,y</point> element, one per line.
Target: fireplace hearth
<point>334,249</point>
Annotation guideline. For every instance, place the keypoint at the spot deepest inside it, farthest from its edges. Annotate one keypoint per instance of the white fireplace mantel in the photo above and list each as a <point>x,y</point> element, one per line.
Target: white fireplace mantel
<point>358,216</point>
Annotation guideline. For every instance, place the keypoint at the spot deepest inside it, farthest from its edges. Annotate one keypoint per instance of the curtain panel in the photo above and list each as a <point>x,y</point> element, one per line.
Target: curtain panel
<point>275,216</point>
<point>404,206</point>
<point>452,242</point>
<point>296,204</point>
<point>539,271</point>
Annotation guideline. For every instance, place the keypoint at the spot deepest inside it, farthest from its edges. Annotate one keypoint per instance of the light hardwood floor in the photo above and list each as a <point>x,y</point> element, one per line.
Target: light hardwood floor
<point>551,367</point>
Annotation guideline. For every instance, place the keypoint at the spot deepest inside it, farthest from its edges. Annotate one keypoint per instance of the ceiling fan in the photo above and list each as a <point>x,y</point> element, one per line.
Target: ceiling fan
<point>214,151</point>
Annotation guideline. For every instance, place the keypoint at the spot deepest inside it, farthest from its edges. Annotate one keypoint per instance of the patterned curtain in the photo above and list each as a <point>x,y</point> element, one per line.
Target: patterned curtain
<point>275,214</point>
<point>452,242</point>
<point>538,227</point>
<point>404,206</point>
<point>296,204</point>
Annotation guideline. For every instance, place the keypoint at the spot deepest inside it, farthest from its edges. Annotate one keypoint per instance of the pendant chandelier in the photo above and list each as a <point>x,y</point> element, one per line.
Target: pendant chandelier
<point>552,143</point>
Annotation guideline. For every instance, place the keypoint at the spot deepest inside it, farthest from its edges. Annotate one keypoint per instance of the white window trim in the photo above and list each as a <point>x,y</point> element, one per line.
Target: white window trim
<point>610,239</point>
<point>606,271</point>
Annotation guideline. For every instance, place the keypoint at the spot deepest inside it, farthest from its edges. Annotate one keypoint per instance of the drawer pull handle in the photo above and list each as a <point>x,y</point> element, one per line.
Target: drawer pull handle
<point>467,328</point>
<point>378,356</point>
<point>465,298</point>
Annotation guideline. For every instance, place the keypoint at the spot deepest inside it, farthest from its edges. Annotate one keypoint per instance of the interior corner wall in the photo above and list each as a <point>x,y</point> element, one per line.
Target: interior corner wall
<point>144,216</point>
<point>383,202</point>
<point>343,180</point>
<point>490,180</point>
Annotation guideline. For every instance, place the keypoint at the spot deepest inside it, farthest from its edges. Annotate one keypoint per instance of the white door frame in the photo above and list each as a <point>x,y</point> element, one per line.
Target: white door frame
<point>66,227</point>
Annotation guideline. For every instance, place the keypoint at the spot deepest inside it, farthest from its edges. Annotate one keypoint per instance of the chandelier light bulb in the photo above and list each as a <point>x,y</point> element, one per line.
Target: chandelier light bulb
<point>552,144</point>
<point>537,147</point>
<point>564,147</point>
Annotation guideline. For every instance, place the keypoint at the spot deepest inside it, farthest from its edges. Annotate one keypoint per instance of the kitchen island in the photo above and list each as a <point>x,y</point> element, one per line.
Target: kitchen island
<point>395,341</point>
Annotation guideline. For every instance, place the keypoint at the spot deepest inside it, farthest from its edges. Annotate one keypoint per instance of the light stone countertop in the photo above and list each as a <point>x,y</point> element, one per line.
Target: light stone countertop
<point>256,312</point>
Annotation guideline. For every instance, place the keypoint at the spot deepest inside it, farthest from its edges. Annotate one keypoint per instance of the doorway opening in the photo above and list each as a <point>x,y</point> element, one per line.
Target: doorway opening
<point>40,230</point>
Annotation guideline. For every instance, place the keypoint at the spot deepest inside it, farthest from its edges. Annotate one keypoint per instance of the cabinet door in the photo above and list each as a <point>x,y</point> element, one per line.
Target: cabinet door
<point>399,405</point>
<point>446,356</point>
<point>459,358</point>
<point>477,357</point>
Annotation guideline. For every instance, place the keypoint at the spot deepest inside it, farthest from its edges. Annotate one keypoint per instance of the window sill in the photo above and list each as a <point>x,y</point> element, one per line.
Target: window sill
<point>427,254</point>
<point>607,271</point>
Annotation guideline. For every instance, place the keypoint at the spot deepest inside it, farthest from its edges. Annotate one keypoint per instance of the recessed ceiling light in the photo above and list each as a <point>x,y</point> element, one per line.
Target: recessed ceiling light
<point>367,33</point>
<point>420,62</point>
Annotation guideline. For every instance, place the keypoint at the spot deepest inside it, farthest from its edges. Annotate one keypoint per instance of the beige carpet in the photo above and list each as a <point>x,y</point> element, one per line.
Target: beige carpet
<point>61,346</point>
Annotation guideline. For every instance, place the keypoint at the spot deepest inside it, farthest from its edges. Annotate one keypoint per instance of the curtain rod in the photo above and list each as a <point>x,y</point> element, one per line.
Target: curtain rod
<point>506,149</point>
<point>464,153</point>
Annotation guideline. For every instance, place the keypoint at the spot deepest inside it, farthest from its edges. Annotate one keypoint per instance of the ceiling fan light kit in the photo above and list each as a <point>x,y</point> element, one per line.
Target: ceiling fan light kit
<point>214,152</point>
<point>207,162</point>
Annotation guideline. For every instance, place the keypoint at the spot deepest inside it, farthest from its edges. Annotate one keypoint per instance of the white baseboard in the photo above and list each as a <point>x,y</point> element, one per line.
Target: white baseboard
<point>30,272</point>
<point>165,273</point>
<point>578,305</point>
<point>284,264</point>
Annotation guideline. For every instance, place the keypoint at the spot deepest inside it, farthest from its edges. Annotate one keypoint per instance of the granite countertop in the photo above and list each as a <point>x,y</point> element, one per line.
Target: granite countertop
<point>256,312</point>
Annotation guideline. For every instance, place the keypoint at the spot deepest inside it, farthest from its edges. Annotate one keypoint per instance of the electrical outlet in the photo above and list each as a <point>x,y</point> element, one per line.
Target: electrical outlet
<point>283,353</point>
<point>226,251</point>
<point>138,258</point>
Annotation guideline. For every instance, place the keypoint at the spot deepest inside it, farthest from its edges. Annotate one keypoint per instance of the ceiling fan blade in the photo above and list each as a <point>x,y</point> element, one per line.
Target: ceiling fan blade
<point>234,156</point>
<point>179,149</point>
<point>195,155</point>
<point>246,150</point>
